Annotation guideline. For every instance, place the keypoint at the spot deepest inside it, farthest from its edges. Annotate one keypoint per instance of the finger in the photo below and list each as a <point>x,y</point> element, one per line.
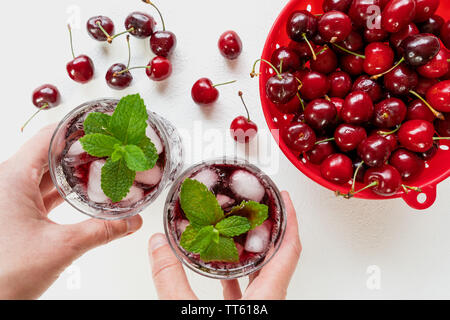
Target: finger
<point>92,233</point>
<point>277,274</point>
<point>46,185</point>
<point>231,289</point>
<point>168,274</point>
<point>52,200</point>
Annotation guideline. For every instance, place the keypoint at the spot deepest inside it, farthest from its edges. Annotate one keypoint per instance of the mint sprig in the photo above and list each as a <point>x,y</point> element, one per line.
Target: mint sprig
<point>211,231</point>
<point>121,139</point>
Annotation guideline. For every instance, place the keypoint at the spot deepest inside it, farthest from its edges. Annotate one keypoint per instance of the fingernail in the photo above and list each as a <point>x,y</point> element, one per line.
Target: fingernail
<point>133,224</point>
<point>157,241</point>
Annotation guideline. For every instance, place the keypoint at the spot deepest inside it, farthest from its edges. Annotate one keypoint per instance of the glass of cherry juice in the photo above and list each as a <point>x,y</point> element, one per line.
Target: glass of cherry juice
<point>232,182</point>
<point>77,175</point>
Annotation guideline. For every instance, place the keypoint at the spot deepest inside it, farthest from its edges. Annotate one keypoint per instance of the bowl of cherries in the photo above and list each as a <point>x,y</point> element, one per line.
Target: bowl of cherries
<point>357,95</point>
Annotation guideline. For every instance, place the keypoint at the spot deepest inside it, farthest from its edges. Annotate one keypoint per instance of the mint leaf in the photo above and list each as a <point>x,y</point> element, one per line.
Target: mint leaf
<point>255,212</point>
<point>233,226</point>
<point>187,237</point>
<point>225,251</point>
<point>98,144</point>
<point>135,158</point>
<point>96,122</point>
<point>199,204</point>
<point>204,238</point>
<point>129,121</point>
<point>149,150</point>
<point>117,179</point>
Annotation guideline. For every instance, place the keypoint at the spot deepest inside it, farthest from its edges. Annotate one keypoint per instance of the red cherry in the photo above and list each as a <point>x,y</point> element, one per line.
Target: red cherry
<point>443,126</point>
<point>162,42</point>
<point>44,97</point>
<point>159,69</point>
<point>338,5</point>
<point>340,84</point>
<point>417,110</point>
<point>351,64</point>
<point>293,106</point>
<point>445,34</point>
<point>384,181</point>
<point>81,68</point>
<point>369,86</point>
<point>204,92</point>
<point>320,152</point>
<point>389,113</point>
<point>301,25</point>
<point>314,85</point>
<point>358,108</point>
<point>242,129</point>
<point>286,59</point>
<point>337,168</point>
<point>299,137</point>
<point>353,42</point>
<point>320,114</point>
<point>432,25</point>
<point>348,136</point>
<point>429,154</point>
<point>334,26</point>
<point>375,33</point>
<point>416,135</point>
<point>439,96</point>
<point>326,62</point>
<point>338,103</point>
<point>230,45</point>
<point>389,135</point>
<point>397,38</point>
<point>425,9</point>
<point>425,84</point>
<point>408,164</point>
<point>280,89</point>
<point>379,58</point>
<point>374,151</point>
<point>95,25</point>
<point>302,49</point>
<point>401,80</point>
<point>397,14</point>
<point>361,11</point>
<point>118,77</point>
<point>437,67</point>
<point>140,25</point>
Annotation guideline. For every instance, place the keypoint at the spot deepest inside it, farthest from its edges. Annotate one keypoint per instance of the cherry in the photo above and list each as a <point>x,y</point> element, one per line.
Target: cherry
<point>397,14</point>
<point>353,42</point>
<point>314,85</point>
<point>334,26</point>
<point>299,137</point>
<point>337,168</point>
<point>140,25</point>
<point>401,80</point>
<point>340,84</point>
<point>292,106</point>
<point>408,164</point>
<point>375,33</point>
<point>163,42</point>
<point>432,25</point>
<point>445,34</point>
<point>443,126</point>
<point>230,45</point>
<point>416,135</point>
<point>320,114</point>
<point>417,110</point>
<point>425,9</point>
<point>397,38</point>
<point>302,49</point>
<point>429,154</point>
<point>159,69</point>
<point>204,92</point>
<point>118,75</point>
<point>286,59</point>
<point>317,40</point>
<point>325,62</point>
<point>81,68</point>
<point>338,5</point>
<point>44,97</point>
<point>437,67</point>
<point>358,108</point>
<point>425,84</point>
<point>384,181</point>
<point>389,135</point>
<point>320,152</point>
<point>338,103</point>
<point>361,11</point>
<point>439,96</point>
<point>369,86</point>
<point>95,25</point>
<point>389,113</point>
<point>242,129</point>
<point>301,26</point>
<point>348,136</point>
<point>379,58</point>
<point>374,150</point>
<point>351,64</point>
<point>420,49</point>
<point>360,169</point>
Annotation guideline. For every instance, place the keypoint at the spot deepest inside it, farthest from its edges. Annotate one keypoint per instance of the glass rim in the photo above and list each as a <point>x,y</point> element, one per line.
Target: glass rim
<point>240,271</point>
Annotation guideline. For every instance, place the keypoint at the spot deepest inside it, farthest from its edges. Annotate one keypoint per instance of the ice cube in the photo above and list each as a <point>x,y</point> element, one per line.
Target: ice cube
<point>224,201</point>
<point>94,187</point>
<point>150,177</point>
<point>151,133</point>
<point>75,149</point>
<point>134,195</point>
<point>182,225</point>
<point>208,177</point>
<point>247,186</point>
<point>258,239</point>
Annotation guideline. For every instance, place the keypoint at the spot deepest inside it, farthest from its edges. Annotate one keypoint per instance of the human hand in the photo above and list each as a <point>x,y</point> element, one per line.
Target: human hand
<point>270,283</point>
<point>33,249</point>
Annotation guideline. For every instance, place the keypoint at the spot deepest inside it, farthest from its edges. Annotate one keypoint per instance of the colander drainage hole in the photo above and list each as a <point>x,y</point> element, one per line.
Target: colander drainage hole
<point>421,198</point>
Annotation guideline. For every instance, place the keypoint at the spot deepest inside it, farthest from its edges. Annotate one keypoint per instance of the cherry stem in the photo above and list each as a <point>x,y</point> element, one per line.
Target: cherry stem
<point>108,36</point>
<point>310,46</point>
<point>441,138</point>
<point>243,102</point>
<point>325,48</point>
<point>225,83</point>
<point>301,101</point>
<point>159,12</point>
<point>31,118</point>
<point>71,40</point>
<point>121,33</point>
<point>406,188</point>
<point>373,184</point>
<point>437,114</point>
<point>129,51</point>
<point>375,77</point>
<point>355,175</point>
<point>128,69</point>
<point>325,140</point>
<point>348,51</point>
<point>254,74</point>
<point>383,133</point>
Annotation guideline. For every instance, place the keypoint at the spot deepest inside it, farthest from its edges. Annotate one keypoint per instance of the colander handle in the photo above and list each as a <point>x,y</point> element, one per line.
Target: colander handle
<point>428,194</point>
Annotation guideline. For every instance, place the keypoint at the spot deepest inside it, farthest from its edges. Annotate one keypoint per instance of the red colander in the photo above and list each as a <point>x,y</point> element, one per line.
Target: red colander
<point>437,169</point>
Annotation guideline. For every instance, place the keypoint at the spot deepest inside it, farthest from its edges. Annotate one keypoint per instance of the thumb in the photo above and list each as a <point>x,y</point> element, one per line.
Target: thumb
<point>92,233</point>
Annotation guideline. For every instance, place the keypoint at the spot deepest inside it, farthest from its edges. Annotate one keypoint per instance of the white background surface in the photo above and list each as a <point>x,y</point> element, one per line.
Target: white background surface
<point>341,239</point>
